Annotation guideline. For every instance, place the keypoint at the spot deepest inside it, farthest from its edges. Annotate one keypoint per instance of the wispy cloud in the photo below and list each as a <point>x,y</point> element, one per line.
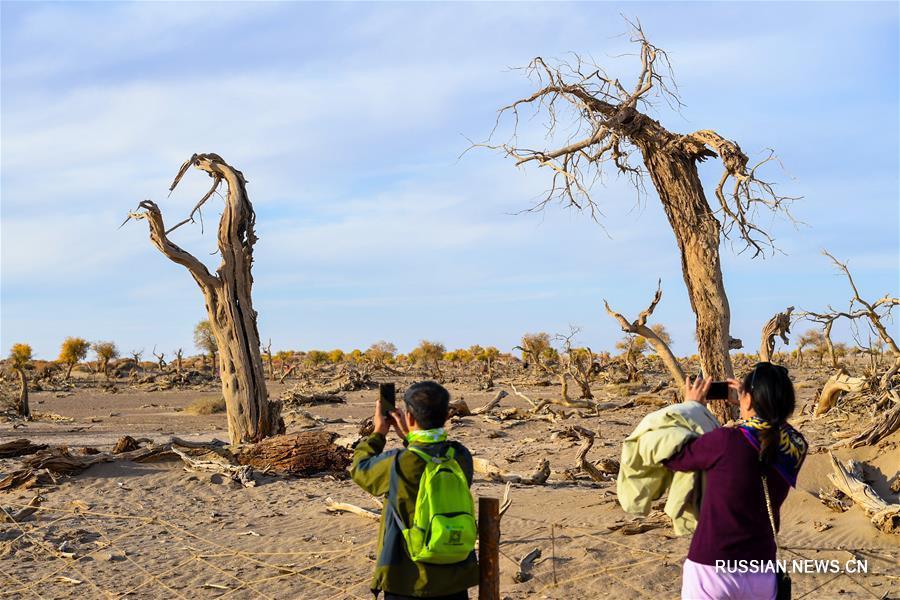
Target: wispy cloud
<point>348,120</point>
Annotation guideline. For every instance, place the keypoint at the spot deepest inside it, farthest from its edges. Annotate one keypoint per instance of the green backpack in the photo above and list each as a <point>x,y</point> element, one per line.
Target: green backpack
<point>443,529</point>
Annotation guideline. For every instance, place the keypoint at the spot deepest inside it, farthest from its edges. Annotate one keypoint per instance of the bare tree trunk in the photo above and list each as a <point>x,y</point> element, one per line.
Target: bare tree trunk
<point>251,416</point>
<point>826,333</point>
<point>269,359</point>
<point>696,229</point>
<point>21,406</point>
<point>69,368</point>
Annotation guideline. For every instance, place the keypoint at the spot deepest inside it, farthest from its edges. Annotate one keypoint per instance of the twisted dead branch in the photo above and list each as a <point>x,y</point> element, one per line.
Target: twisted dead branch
<point>779,325</point>
<point>639,327</point>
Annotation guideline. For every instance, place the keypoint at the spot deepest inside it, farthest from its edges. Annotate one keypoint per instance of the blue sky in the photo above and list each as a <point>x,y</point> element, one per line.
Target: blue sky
<point>348,121</point>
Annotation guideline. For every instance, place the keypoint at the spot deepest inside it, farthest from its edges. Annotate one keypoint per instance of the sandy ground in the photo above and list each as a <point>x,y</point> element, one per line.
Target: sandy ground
<point>156,531</point>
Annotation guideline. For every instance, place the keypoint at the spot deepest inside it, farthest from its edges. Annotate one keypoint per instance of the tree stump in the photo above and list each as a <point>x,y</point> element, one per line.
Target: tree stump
<point>302,455</point>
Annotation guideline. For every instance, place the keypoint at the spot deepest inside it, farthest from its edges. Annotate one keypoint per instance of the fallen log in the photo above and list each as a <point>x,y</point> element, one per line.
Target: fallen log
<point>884,515</point>
<point>19,448</point>
<point>494,473</point>
<point>61,462</point>
<point>495,401</point>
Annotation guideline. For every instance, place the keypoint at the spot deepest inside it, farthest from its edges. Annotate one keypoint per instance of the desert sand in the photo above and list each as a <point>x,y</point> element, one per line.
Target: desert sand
<point>153,530</point>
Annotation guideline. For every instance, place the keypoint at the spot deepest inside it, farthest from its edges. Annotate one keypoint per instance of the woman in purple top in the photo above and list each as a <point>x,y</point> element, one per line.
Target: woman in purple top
<point>733,550</point>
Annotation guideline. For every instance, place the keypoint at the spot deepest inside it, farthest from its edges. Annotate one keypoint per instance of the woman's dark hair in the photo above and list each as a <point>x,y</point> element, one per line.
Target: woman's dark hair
<point>429,403</point>
<point>772,397</point>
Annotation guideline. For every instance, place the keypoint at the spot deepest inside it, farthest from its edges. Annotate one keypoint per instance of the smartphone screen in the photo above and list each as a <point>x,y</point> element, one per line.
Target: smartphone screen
<point>387,393</point>
<point>718,391</point>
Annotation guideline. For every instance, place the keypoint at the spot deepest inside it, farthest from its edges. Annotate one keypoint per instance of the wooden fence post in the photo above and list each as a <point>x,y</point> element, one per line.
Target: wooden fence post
<point>489,549</point>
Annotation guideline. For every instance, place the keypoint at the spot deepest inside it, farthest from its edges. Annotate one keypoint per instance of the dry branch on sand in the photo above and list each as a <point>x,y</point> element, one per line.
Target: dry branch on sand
<point>526,563</point>
<point>880,427</point>
<point>24,514</point>
<point>494,473</point>
<point>850,480</point>
<point>494,403</point>
<point>610,468</point>
<point>305,454</point>
<point>338,507</point>
<point>20,447</point>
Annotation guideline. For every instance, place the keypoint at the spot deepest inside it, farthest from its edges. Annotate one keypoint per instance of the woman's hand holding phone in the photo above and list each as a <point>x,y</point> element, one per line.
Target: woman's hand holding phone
<point>696,388</point>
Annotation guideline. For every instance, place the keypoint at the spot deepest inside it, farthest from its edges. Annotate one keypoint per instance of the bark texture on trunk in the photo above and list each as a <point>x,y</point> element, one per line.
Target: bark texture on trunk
<point>21,406</point>
<point>251,416</point>
<point>675,177</point>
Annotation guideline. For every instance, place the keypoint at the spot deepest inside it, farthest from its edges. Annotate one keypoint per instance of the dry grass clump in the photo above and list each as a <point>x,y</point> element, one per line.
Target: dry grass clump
<point>206,406</point>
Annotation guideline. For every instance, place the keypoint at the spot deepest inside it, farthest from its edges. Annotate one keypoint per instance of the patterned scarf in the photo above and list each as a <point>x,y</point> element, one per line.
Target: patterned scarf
<point>426,436</point>
<point>791,446</point>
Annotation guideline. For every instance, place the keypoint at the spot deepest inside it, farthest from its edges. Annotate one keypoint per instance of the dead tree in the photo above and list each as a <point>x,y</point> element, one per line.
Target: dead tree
<point>268,350</point>
<point>160,359</point>
<point>827,321</point>
<point>20,358</point>
<point>639,327</point>
<point>779,325</point>
<point>179,358</point>
<point>874,313</point>
<point>251,416</point>
<point>609,129</point>
<point>579,364</point>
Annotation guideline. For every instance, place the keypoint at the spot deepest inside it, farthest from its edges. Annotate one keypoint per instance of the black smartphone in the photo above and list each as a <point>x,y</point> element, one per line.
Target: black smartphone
<point>387,393</point>
<point>718,391</point>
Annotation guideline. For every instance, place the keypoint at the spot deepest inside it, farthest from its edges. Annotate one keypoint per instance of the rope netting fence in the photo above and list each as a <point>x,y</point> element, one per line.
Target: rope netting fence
<point>125,555</point>
<point>628,565</point>
<point>152,557</point>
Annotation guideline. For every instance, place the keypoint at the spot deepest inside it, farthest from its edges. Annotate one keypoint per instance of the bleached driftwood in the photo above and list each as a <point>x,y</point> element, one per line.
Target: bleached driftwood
<point>335,507</point>
<point>837,383</point>
<point>884,515</point>
<point>495,473</point>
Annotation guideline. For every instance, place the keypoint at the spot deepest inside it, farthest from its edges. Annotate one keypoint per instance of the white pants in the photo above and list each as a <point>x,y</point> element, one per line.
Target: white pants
<point>703,582</point>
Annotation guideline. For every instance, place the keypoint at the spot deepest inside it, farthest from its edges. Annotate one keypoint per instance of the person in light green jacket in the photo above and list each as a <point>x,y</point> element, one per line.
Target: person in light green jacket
<point>395,474</point>
<point>642,476</point>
